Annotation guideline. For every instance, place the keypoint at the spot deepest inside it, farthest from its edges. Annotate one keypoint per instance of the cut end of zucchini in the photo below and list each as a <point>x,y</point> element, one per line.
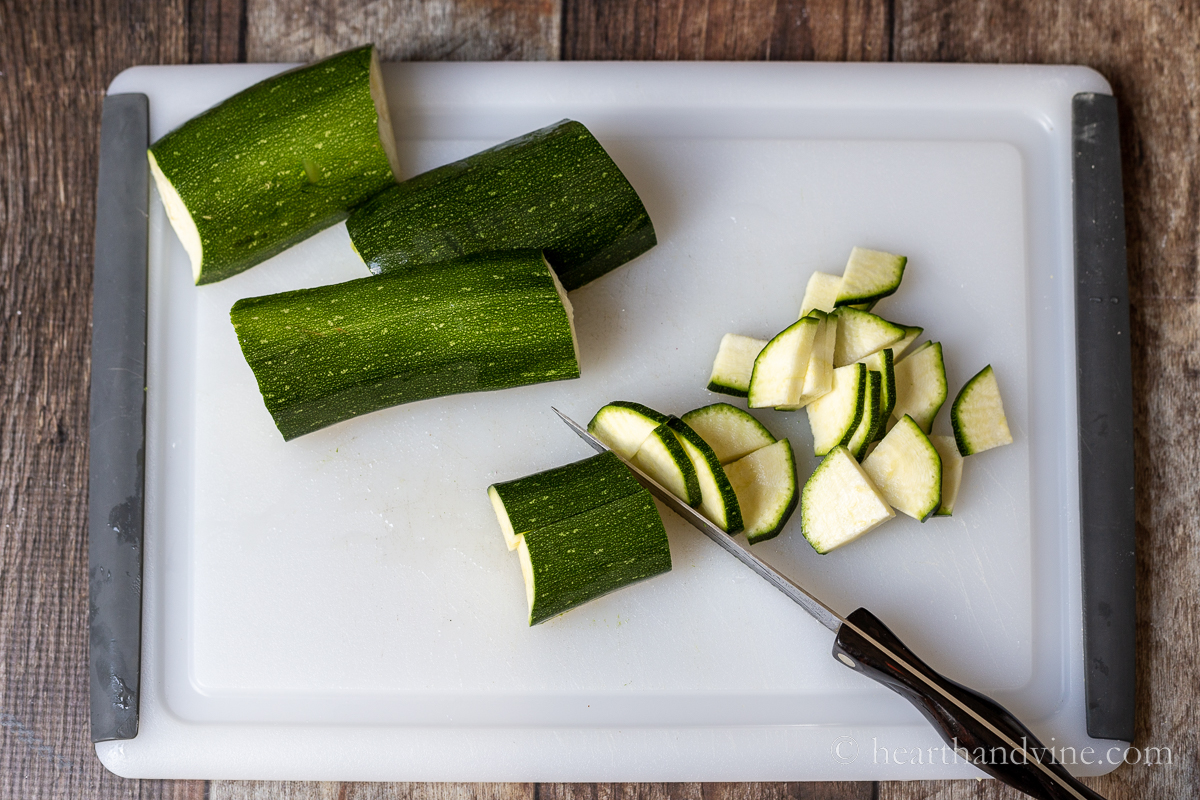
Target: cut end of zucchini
<point>765,484</point>
<point>510,536</point>
<point>907,469</point>
<point>387,139</point>
<point>663,458</point>
<point>180,217</point>
<point>731,432</point>
<point>779,370</point>
<point>718,501</point>
<point>840,503</point>
<point>834,416</point>
<point>567,307</point>
<point>952,464</point>
<point>821,293</point>
<point>977,415</point>
<point>861,333</point>
<point>911,332</point>
<point>921,385</point>
<point>734,364</point>
<point>624,425</point>
<point>870,275</point>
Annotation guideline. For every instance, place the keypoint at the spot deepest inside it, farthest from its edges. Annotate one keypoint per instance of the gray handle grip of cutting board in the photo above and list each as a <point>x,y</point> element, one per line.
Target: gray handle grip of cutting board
<point>1105,384</point>
<point>117,418</point>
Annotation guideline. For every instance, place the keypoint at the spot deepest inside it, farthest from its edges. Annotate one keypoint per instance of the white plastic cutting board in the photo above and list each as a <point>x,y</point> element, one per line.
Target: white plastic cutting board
<point>343,606</point>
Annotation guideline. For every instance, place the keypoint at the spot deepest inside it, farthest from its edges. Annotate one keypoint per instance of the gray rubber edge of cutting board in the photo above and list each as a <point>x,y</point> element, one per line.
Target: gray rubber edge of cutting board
<point>117,418</point>
<point>1105,380</point>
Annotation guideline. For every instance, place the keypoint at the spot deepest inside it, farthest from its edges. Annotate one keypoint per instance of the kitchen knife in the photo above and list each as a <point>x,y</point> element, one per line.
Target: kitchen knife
<point>977,728</point>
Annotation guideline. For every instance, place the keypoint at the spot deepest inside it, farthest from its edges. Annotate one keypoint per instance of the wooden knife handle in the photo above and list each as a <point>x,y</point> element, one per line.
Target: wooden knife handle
<point>993,739</point>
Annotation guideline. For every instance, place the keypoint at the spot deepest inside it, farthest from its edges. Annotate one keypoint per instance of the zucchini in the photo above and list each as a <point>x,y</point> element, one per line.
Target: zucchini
<point>871,420</point>
<point>818,376</point>
<point>952,464</point>
<point>734,364</point>
<point>834,417</point>
<point>883,363</point>
<point>663,458</point>
<point>624,425</point>
<point>535,501</point>
<point>861,333</point>
<point>485,322</point>
<point>718,501</point>
<point>778,376</point>
<point>820,293</point>
<point>911,332</point>
<point>977,415</point>
<point>907,469</point>
<point>592,553</point>
<point>921,385</point>
<point>840,503</point>
<point>554,189</point>
<point>765,484</point>
<point>276,163</point>
<point>731,432</point>
<point>870,275</point>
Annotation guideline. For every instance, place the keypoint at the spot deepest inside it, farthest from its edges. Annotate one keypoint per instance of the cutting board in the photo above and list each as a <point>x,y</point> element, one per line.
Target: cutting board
<point>343,606</point>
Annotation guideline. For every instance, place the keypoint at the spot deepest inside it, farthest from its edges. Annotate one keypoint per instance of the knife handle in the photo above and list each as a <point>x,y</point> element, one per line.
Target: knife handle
<point>994,740</point>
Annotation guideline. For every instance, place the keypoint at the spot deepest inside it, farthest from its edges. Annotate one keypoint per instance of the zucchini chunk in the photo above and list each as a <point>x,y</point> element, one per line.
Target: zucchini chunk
<point>590,554</point>
<point>820,293</point>
<point>778,376</point>
<point>663,458</point>
<point>555,189</point>
<point>870,275</point>
<point>276,163</point>
<point>718,501</point>
<point>734,364</point>
<point>907,469</point>
<point>883,363</point>
<point>911,332</point>
<point>861,333</point>
<point>731,432</point>
<point>921,385</point>
<point>535,501</point>
<point>977,415</point>
<point>834,417</point>
<point>623,426</point>
<point>818,376</point>
<point>324,355</point>
<point>864,434</point>
<point>840,503</point>
<point>765,484</point>
<point>952,464</point>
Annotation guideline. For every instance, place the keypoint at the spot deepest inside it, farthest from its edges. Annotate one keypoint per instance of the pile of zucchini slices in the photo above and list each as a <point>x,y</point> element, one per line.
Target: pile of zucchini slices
<point>871,399</point>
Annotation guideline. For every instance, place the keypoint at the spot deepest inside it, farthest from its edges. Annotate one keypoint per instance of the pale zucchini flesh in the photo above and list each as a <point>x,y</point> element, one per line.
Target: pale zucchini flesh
<point>870,275</point>
<point>718,501</point>
<point>778,377</point>
<point>952,465</point>
<point>911,332</point>
<point>977,415</point>
<point>861,333</point>
<point>820,293</point>
<point>921,385</point>
<point>663,458</point>
<point>734,364</point>
<point>906,468</point>
<point>864,434</point>
<point>765,484</point>
<point>840,503</point>
<point>731,432</point>
<point>624,426</point>
<point>818,377</point>
<point>834,416</point>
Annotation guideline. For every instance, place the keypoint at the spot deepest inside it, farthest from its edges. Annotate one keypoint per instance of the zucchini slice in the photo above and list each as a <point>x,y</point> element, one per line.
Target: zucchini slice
<point>820,293</point>
<point>663,458</point>
<point>871,420</point>
<point>840,503</point>
<point>861,333</point>
<point>952,464</point>
<point>731,432</point>
<point>921,385</point>
<point>977,415</point>
<point>624,425</point>
<point>778,376</point>
<point>276,163</point>
<point>765,484</point>
<point>911,332</point>
<point>870,275</point>
<point>555,189</point>
<point>834,417</point>
<point>734,364</point>
<point>883,363</point>
<point>907,469</point>
<point>718,501</point>
<point>818,376</point>
<point>327,354</point>
<point>590,554</point>
<point>535,501</point>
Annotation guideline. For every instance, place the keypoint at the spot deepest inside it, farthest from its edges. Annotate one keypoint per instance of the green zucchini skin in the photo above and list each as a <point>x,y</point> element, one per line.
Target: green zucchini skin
<point>555,189</point>
<point>485,322</point>
<point>277,162</point>
<point>583,557</point>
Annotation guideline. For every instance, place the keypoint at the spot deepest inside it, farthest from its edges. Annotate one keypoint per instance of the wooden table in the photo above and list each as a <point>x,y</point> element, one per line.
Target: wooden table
<point>57,56</point>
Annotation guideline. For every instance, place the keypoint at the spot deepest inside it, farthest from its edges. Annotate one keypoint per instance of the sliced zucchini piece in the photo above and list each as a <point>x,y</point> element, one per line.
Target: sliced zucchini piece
<point>977,415</point>
<point>861,333</point>
<point>820,293</point>
<point>952,464</point>
<point>864,434</point>
<point>883,363</point>
<point>535,501</point>
<point>731,432</point>
<point>663,458</point>
<point>718,501</point>
<point>870,275</point>
<point>779,370</point>
<point>818,377</point>
<point>591,554</point>
<point>921,385</point>
<point>911,332</point>
<point>839,503</point>
<point>907,469</point>
<point>624,425</point>
<point>834,417</point>
<point>765,483</point>
<point>734,364</point>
